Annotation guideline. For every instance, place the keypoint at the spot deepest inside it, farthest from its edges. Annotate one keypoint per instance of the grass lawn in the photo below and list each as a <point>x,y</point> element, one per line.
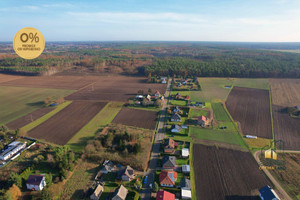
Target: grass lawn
<point>197,112</point>
<point>178,102</point>
<point>44,118</point>
<point>182,162</point>
<point>104,117</point>
<point>220,113</point>
<point>15,102</point>
<point>216,135</point>
<point>213,88</point>
<point>183,93</point>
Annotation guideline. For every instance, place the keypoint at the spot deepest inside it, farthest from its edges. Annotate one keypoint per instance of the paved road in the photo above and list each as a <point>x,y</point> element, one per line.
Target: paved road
<point>274,181</point>
<point>146,194</point>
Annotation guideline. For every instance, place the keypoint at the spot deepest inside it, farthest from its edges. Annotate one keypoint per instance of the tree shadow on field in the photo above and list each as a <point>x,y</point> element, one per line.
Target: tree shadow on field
<point>36,104</point>
<point>237,197</point>
<point>78,194</point>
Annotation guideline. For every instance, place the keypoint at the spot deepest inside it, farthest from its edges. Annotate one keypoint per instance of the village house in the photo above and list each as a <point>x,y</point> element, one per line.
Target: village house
<point>164,195</point>
<point>127,174</point>
<point>184,126</point>
<point>176,109</point>
<point>185,152</point>
<point>167,178</point>
<point>187,98</point>
<point>157,94</point>
<point>298,107</point>
<point>139,97</point>
<point>97,192</point>
<point>148,97</point>
<point>202,121</point>
<point>186,169</point>
<point>107,167</point>
<point>179,84</point>
<point>162,98</point>
<point>267,193</point>
<point>164,81</point>
<point>178,96</point>
<point>169,162</point>
<point>169,145</point>
<point>186,194</point>
<point>175,118</point>
<point>176,128</point>
<point>36,182</point>
<point>185,183</point>
<point>120,193</point>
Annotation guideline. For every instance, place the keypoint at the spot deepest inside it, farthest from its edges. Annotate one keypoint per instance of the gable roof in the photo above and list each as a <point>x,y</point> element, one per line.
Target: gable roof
<point>35,179</point>
<point>157,93</point>
<point>298,107</point>
<point>98,191</point>
<point>170,143</point>
<point>121,192</point>
<point>176,116</point>
<point>169,161</point>
<point>176,126</point>
<point>128,171</point>
<point>186,168</point>
<point>267,193</point>
<point>164,195</point>
<point>203,118</point>
<point>167,177</point>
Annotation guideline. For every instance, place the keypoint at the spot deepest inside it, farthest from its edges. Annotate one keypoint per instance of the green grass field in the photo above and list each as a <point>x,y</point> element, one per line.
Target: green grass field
<point>197,112</point>
<point>15,102</point>
<point>178,102</point>
<point>213,88</point>
<point>216,135</point>
<point>104,117</point>
<point>220,113</point>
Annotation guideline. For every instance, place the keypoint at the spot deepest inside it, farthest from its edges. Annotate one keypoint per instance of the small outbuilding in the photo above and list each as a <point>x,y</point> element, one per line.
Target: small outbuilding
<point>185,152</point>
<point>176,128</point>
<point>186,194</point>
<point>186,169</point>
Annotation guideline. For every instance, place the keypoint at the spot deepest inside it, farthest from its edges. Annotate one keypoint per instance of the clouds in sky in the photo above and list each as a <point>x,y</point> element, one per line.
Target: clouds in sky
<point>228,20</point>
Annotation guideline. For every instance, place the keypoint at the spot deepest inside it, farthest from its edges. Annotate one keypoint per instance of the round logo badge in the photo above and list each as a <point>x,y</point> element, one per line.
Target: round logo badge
<point>29,43</point>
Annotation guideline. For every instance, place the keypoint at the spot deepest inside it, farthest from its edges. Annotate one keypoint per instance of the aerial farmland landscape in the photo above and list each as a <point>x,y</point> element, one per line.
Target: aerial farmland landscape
<point>150,100</point>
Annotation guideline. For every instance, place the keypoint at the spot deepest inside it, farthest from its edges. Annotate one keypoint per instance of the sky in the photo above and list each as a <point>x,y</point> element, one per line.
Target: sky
<point>154,20</point>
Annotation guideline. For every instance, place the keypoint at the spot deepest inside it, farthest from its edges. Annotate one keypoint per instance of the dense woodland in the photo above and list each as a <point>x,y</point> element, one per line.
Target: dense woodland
<point>209,59</point>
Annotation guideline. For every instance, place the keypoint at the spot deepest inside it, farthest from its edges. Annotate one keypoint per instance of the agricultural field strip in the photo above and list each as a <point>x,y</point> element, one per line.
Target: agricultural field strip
<point>229,175</point>
<point>61,127</point>
<point>251,108</point>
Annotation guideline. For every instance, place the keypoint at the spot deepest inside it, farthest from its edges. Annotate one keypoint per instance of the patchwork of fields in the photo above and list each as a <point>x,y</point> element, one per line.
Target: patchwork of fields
<point>226,174</point>
<point>60,128</point>
<point>16,102</point>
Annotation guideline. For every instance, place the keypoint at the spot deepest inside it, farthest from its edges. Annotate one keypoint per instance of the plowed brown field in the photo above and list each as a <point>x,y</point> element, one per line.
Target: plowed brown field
<point>61,127</point>
<point>117,88</point>
<point>28,118</point>
<point>226,174</point>
<point>138,118</point>
<point>285,92</point>
<point>286,128</point>
<point>251,107</point>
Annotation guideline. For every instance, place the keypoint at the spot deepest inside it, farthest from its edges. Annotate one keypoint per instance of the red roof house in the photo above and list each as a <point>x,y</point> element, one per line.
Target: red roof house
<point>157,93</point>
<point>167,178</point>
<point>164,195</point>
<point>202,120</point>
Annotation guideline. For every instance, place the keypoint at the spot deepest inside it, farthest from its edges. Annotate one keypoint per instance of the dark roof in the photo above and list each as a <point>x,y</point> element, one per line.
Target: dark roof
<point>169,161</point>
<point>34,179</point>
<point>176,116</point>
<point>128,171</point>
<point>267,193</point>
<point>185,183</point>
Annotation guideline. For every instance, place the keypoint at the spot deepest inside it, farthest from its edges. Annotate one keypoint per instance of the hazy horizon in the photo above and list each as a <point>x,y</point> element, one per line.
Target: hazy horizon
<point>167,21</point>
